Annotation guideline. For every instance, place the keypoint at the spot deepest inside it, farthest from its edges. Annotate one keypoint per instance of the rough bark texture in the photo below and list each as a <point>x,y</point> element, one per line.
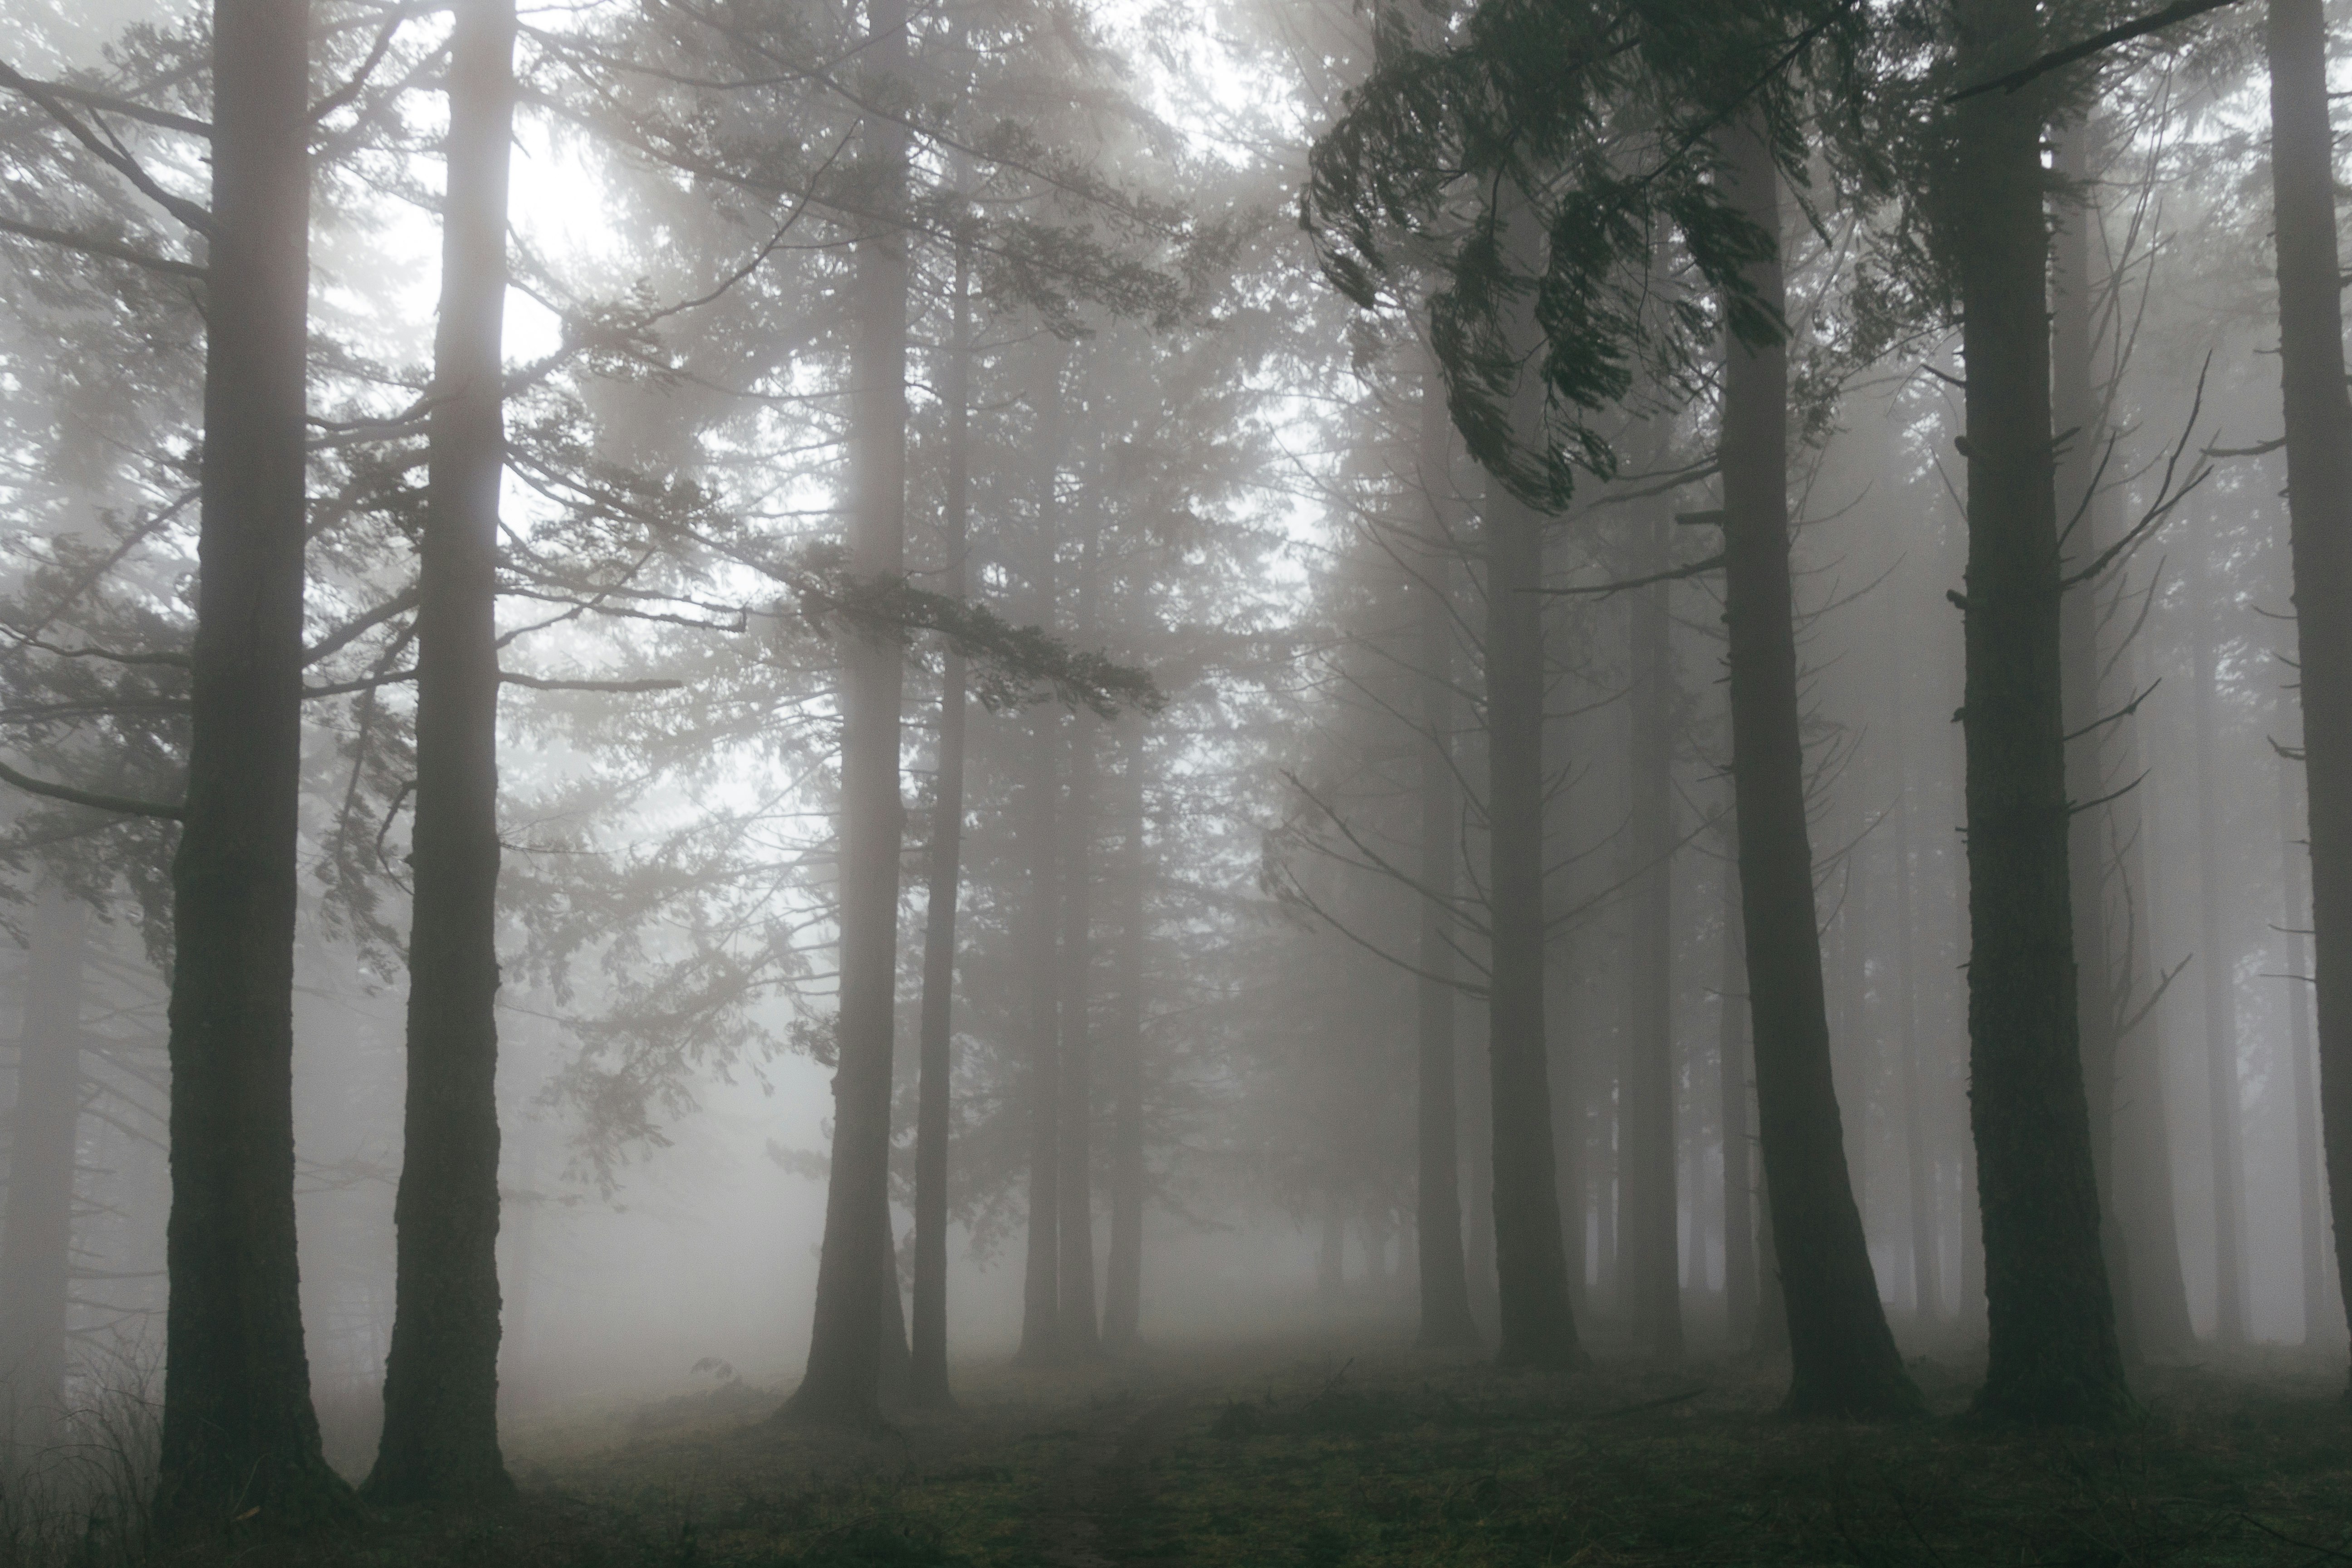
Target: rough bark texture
<point>1842,1357</point>
<point>1123,1278</point>
<point>1446,1318</point>
<point>928,1375</point>
<point>2078,405</point>
<point>841,1384</point>
<point>440,1438</point>
<point>2319,510</point>
<point>2053,1354</point>
<point>2217,988</point>
<point>1537,1326</point>
<point>238,1430</point>
<point>37,1230</point>
<point>1647,1229</point>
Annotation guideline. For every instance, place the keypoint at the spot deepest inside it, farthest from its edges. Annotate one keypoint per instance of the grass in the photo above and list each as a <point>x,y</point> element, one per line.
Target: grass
<point>1298,1456</point>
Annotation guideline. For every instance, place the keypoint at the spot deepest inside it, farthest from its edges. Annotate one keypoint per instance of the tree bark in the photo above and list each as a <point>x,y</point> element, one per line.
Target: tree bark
<point>1041,1283</point>
<point>1734,1083</point>
<point>238,1430</point>
<point>2319,510</point>
<point>1537,1326</point>
<point>440,1438</point>
<point>37,1242</point>
<point>1648,1231</point>
<point>2311,1199</point>
<point>2053,1354</point>
<point>840,1385</point>
<point>1445,1320</point>
<point>1123,1281</point>
<point>1842,1356</point>
<point>2216,989</point>
<point>1919,1163</point>
<point>1078,1327</point>
<point>928,1375</point>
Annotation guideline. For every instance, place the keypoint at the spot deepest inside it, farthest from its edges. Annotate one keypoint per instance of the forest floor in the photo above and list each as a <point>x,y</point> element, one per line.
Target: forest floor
<point>1291,1455</point>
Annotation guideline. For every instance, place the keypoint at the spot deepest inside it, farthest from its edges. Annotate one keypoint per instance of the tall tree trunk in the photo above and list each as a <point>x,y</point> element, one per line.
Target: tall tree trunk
<point>1041,1283</point>
<point>2216,968</point>
<point>1537,1326</point>
<point>1648,1231</point>
<point>2319,508</point>
<point>440,1438</point>
<point>1920,1162</point>
<point>1733,1083</point>
<point>2054,1356</point>
<point>2143,1139</point>
<point>1842,1356</point>
<point>2310,1199</point>
<point>842,1383</point>
<point>1123,1281</point>
<point>1079,1333</point>
<point>2076,407</point>
<point>1446,1318</point>
<point>37,1242</point>
<point>238,1429</point>
<point>928,1375</point>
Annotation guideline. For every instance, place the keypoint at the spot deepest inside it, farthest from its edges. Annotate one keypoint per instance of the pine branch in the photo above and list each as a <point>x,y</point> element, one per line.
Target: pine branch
<point>121,804</point>
<point>2058,59</point>
<point>89,245</point>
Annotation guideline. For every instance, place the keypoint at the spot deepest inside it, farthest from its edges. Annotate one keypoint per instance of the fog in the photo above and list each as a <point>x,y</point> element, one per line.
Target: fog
<point>1160,640</point>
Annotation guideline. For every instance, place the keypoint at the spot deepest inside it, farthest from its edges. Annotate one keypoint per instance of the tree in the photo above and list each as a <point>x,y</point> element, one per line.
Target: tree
<point>2053,1352</point>
<point>1445,1317</point>
<point>846,1342</point>
<point>928,1375</point>
<point>1647,1229</point>
<point>37,1227</point>
<point>1842,1356</point>
<point>441,1374</point>
<point>2319,510</point>
<point>238,1429</point>
<point>1537,1326</point>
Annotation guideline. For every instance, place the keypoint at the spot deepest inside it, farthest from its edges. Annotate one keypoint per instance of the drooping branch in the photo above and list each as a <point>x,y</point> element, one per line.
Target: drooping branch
<point>92,245</point>
<point>121,804</point>
<point>2058,59</point>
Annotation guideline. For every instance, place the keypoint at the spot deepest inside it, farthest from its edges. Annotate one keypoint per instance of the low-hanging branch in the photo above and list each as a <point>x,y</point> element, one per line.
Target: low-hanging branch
<point>92,245</point>
<point>1673,574</point>
<point>124,806</point>
<point>121,163</point>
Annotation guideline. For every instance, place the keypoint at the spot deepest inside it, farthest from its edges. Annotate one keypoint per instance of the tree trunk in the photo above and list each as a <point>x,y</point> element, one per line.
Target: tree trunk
<point>2143,1139</point>
<point>440,1438</point>
<point>1648,1232</point>
<point>238,1429</point>
<point>1538,1327</point>
<point>1927,1247</point>
<point>2311,1200</point>
<point>1732,1081</point>
<point>2217,969</point>
<point>1445,1320</point>
<point>2319,508</point>
<point>1123,1283</point>
<point>840,1385</point>
<point>37,1245</point>
<point>1041,1284</point>
<point>1842,1357</point>
<point>2076,407</point>
<point>2054,1356</point>
<point>1079,1333</point>
<point>928,1375</point>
